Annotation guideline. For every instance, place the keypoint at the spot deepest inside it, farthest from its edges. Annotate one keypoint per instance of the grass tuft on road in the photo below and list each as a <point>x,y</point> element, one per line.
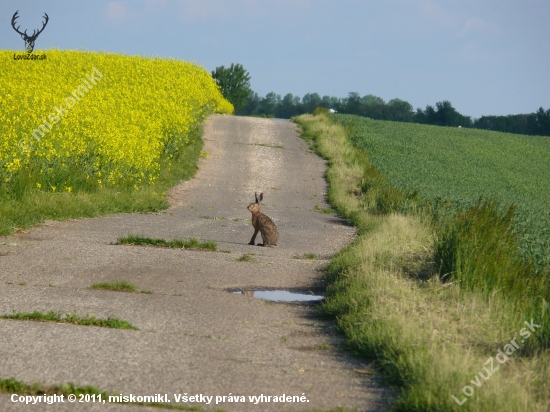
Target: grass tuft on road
<point>118,286</point>
<point>12,385</point>
<point>246,257</point>
<point>306,256</point>
<point>192,243</point>
<point>113,323</point>
<point>273,146</point>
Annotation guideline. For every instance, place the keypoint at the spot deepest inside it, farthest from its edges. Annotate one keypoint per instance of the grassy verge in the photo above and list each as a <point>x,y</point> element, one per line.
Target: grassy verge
<point>432,339</point>
<point>73,318</point>
<point>27,207</point>
<point>192,243</point>
<point>13,386</point>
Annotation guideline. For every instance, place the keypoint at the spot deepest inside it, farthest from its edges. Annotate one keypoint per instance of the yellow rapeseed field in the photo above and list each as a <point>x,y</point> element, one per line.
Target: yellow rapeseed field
<point>82,119</point>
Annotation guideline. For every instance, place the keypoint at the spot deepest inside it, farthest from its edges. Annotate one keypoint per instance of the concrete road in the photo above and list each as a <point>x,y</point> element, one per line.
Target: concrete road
<point>195,335</point>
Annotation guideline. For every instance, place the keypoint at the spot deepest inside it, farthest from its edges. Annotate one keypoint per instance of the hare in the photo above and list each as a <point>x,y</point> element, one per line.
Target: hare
<point>262,224</point>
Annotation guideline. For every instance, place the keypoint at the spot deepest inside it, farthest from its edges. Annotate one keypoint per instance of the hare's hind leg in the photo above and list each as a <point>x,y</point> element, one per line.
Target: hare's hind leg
<point>264,240</point>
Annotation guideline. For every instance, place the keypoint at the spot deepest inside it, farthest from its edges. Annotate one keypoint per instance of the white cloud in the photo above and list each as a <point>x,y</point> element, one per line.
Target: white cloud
<point>156,4</point>
<point>474,53</point>
<point>478,25</point>
<point>436,13</point>
<point>117,10</point>
<point>205,10</point>
<point>460,23</point>
<point>471,52</point>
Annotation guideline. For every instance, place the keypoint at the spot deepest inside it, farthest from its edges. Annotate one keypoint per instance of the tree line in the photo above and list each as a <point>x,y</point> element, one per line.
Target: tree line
<point>235,86</point>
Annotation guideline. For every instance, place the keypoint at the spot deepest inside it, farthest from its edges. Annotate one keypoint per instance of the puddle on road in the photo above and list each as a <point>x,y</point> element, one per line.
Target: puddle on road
<point>281,295</point>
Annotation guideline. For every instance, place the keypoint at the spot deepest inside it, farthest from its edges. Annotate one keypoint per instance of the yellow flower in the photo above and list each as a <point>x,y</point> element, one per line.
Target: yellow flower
<point>109,117</point>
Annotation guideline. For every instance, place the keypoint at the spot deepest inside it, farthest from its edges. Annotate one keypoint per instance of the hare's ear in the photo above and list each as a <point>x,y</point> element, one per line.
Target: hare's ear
<point>256,196</point>
<point>261,197</point>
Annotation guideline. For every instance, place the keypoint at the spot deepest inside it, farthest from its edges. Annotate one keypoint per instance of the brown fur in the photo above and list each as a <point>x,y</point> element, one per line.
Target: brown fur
<point>262,224</point>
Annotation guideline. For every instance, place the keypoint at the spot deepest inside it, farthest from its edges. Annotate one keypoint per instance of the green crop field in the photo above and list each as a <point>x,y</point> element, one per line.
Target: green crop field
<point>463,164</point>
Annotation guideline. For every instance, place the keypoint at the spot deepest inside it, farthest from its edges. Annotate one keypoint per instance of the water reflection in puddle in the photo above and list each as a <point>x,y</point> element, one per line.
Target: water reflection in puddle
<point>280,295</point>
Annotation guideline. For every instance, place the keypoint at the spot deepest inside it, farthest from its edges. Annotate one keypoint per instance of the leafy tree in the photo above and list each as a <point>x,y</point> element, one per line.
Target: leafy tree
<point>234,83</point>
<point>399,111</point>
<point>336,104</point>
<point>326,102</point>
<point>419,116</point>
<point>447,115</point>
<point>353,103</point>
<point>537,123</point>
<point>269,104</point>
<point>252,104</point>
<point>311,101</point>
<point>431,115</point>
<point>371,99</point>
<point>288,107</point>
<point>444,114</point>
<point>543,122</point>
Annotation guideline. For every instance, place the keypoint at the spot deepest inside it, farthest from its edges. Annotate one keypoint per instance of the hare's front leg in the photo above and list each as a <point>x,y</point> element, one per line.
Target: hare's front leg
<point>254,236</point>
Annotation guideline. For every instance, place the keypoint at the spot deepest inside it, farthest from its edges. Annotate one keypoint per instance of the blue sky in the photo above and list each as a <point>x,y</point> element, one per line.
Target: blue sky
<point>485,56</point>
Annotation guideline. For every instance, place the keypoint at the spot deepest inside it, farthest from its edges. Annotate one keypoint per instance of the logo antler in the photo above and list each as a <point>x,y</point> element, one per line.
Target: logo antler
<point>29,40</point>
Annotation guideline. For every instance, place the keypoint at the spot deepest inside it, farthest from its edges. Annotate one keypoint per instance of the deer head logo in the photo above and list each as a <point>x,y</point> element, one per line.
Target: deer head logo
<point>29,40</point>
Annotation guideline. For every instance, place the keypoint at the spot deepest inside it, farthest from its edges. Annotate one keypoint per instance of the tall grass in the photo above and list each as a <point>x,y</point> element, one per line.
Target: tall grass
<point>430,336</point>
<point>478,249</point>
